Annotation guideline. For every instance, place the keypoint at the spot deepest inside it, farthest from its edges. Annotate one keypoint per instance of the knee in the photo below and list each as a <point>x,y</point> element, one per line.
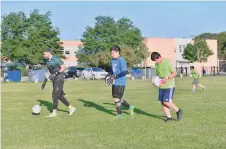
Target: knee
<point>116,99</point>
<point>117,102</point>
<point>58,94</point>
<point>54,96</point>
<point>166,104</point>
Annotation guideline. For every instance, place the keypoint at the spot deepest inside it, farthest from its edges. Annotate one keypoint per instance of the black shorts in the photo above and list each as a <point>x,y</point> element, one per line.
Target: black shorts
<point>117,91</point>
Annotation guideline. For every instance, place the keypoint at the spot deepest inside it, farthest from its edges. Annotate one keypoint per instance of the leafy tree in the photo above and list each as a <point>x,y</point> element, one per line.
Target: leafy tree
<point>25,38</point>
<point>197,52</point>
<point>13,29</point>
<point>106,33</point>
<point>221,40</point>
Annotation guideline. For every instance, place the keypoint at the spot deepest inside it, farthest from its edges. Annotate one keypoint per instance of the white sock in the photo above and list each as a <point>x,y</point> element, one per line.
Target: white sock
<point>169,115</point>
<point>54,112</point>
<point>71,107</point>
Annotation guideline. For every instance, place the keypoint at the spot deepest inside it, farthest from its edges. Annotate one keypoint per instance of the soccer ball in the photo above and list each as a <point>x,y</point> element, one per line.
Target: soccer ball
<point>36,109</point>
<point>156,81</point>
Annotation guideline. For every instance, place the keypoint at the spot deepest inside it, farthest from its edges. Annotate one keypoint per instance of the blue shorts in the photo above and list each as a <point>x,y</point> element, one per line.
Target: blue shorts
<point>166,94</point>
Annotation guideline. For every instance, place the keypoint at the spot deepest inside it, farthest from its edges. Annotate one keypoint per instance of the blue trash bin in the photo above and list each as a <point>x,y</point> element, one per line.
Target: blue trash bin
<point>14,75</point>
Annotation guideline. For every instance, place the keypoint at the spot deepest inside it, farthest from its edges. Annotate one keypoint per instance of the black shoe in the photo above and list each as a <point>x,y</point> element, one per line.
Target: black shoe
<point>168,119</point>
<point>179,115</point>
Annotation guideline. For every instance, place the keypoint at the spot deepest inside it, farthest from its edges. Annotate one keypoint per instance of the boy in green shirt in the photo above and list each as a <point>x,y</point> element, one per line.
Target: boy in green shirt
<point>165,70</point>
<point>195,76</point>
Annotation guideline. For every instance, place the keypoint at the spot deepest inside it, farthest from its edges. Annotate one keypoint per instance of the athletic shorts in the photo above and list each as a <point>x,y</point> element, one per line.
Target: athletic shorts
<point>195,82</point>
<point>117,91</point>
<point>166,94</point>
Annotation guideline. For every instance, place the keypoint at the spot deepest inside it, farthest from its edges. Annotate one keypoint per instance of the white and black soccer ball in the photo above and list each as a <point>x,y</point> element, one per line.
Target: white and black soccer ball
<point>36,109</point>
<point>156,81</point>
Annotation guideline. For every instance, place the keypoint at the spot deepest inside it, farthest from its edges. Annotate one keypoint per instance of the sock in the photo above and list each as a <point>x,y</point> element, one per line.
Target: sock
<point>70,107</point>
<point>124,103</point>
<point>54,112</point>
<point>169,116</point>
<point>193,87</point>
<point>200,85</point>
<point>118,110</point>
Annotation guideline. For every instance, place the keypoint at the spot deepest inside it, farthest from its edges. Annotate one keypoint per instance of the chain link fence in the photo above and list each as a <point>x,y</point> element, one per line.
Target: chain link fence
<point>148,73</point>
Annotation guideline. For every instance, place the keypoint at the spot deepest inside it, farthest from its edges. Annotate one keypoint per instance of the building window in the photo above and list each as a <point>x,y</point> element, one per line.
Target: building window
<point>180,48</point>
<point>62,50</point>
<point>67,52</point>
<point>184,46</point>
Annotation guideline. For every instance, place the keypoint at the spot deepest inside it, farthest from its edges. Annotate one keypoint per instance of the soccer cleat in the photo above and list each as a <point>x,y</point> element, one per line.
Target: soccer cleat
<point>204,88</point>
<point>131,109</point>
<point>168,119</point>
<point>119,116</point>
<point>71,111</point>
<point>52,115</point>
<point>179,115</point>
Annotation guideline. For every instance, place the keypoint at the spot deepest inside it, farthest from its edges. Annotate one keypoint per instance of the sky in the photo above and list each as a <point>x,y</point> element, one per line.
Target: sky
<point>154,19</point>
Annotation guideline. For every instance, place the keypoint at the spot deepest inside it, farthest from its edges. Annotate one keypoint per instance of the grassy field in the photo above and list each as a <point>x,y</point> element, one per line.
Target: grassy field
<point>93,127</point>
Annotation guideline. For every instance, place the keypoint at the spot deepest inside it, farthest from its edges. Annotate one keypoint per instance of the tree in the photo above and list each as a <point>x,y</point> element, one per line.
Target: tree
<point>25,38</point>
<point>197,52</point>
<point>190,53</point>
<point>221,42</point>
<point>106,33</point>
<point>13,29</point>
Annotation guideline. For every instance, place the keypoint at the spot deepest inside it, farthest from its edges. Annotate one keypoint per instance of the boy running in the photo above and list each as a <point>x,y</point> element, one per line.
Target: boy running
<point>195,76</point>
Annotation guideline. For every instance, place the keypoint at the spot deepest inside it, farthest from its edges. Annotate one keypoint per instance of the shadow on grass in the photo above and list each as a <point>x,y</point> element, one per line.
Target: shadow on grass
<point>103,109</point>
<point>96,106</point>
<point>138,111</point>
<point>35,114</point>
<point>49,106</point>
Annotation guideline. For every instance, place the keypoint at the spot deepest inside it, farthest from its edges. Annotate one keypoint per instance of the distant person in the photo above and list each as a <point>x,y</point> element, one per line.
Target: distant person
<point>203,72</point>
<point>5,75</point>
<point>195,82</point>
<point>181,72</point>
<point>186,71</point>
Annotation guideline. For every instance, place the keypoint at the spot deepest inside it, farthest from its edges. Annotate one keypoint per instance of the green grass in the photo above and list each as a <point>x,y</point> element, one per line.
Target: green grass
<point>93,127</point>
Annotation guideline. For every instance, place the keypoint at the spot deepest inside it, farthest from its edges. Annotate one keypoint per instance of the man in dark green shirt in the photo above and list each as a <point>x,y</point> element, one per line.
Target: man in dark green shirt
<point>56,68</point>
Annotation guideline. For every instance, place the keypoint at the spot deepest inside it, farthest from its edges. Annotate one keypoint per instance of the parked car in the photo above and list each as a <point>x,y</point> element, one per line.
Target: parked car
<point>70,72</point>
<point>73,72</point>
<point>79,71</point>
<point>137,73</point>
<point>94,73</point>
